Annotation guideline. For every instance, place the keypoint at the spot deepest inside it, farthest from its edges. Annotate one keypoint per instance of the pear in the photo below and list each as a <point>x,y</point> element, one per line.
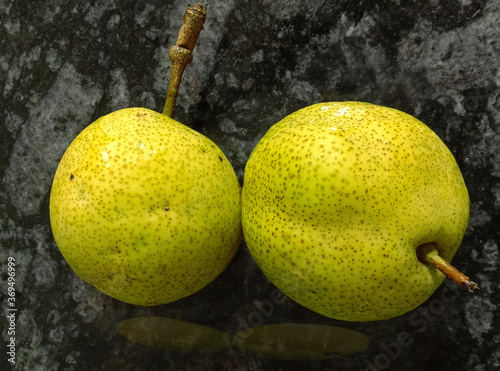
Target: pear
<point>350,208</point>
<point>144,208</point>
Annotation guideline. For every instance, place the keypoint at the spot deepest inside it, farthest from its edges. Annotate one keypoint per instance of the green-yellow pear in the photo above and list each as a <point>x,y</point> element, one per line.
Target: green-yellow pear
<point>144,208</point>
<point>346,205</point>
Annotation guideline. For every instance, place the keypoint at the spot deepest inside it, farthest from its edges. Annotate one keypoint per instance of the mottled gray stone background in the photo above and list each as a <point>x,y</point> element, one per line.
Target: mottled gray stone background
<point>65,63</point>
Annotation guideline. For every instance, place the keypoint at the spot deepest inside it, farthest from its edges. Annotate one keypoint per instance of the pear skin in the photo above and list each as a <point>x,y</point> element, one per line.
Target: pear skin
<point>144,208</point>
<point>338,197</point>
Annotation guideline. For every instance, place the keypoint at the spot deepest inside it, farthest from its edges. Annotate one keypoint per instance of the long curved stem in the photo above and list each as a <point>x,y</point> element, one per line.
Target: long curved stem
<point>181,54</point>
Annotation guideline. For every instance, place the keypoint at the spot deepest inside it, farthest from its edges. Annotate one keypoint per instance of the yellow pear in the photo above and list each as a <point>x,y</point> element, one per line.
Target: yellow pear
<point>144,208</point>
<point>345,204</point>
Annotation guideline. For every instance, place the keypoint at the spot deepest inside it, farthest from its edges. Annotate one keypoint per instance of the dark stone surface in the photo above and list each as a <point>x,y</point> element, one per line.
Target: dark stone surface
<point>65,63</point>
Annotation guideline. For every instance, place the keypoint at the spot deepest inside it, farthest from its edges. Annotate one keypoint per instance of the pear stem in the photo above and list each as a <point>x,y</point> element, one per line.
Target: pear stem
<point>181,54</point>
<point>429,254</point>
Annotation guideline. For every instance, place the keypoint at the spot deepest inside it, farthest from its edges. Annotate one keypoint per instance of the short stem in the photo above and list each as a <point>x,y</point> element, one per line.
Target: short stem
<point>429,254</point>
<point>181,54</point>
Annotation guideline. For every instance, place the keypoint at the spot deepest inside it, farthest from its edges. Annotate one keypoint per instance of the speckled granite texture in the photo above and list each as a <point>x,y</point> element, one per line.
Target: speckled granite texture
<point>65,63</point>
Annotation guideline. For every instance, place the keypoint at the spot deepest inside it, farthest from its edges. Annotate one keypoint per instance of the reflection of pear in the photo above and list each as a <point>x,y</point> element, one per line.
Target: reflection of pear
<point>298,342</point>
<point>172,334</point>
